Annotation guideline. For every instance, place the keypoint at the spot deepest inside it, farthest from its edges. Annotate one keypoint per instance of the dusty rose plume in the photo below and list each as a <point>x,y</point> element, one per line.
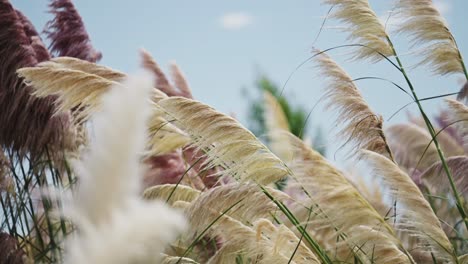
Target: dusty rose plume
<point>161,82</point>
<point>68,34</point>
<point>435,178</point>
<point>169,168</point>
<point>10,252</point>
<point>27,122</point>
<point>42,54</point>
<point>463,94</point>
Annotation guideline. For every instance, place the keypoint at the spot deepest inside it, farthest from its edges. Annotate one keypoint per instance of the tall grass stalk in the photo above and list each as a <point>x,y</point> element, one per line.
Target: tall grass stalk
<point>430,128</point>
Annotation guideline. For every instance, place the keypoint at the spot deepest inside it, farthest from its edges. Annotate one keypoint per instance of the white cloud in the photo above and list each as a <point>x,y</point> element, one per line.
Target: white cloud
<point>235,20</point>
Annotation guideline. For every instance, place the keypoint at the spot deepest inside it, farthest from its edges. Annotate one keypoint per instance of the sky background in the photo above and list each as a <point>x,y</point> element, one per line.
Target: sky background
<point>223,46</point>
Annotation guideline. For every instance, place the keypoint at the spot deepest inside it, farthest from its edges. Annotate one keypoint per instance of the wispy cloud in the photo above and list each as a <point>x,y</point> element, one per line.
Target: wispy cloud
<point>235,20</point>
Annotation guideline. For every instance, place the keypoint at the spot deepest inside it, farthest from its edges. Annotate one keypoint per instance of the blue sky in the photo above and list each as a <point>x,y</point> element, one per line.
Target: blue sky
<point>223,45</point>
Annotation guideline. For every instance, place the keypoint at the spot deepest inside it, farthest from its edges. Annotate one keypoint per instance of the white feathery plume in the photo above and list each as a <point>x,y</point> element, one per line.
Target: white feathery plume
<point>112,161</point>
<point>115,225</point>
<point>136,234</point>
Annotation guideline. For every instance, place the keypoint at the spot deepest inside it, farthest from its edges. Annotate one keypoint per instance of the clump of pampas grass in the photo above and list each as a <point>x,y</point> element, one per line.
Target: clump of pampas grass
<point>115,224</point>
<point>28,124</point>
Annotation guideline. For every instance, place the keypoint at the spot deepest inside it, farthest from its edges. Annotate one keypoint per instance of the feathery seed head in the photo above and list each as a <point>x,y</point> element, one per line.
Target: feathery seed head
<point>424,24</point>
<point>364,27</point>
<point>362,126</point>
<point>67,33</point>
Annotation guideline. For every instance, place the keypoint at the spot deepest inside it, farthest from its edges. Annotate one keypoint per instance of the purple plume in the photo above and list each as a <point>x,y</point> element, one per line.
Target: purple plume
<point>10,250</point>
<point>41,52</point>
<point>67,33</point>
<point>26,122</point>
<point>436,178</point>
<point>463,94</point>
<point>442,119</point>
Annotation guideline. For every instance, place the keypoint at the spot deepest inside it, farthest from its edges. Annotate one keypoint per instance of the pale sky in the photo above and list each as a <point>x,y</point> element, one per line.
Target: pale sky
<point>222,46</point>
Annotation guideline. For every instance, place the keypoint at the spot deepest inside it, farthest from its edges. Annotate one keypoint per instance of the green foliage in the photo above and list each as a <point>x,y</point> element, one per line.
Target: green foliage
<point>296,115</point>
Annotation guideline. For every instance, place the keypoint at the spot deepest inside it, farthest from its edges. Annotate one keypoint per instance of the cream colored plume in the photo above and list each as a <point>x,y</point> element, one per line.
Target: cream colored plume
<point>77,83</point>
<point>424,24</point>
<point>81,85</point>
<point>164,137</point>
<point>86,66</point>
<point>362,126</point>
<point>73,88</point>
<point>276,122</point>
<point>415,215</point>
<point>263,242</point>
<point>371,190</point>
<point>241,240</point>
<point>463,259</point>
<point>175,192</point>
<point>274,115</point>
<point>364,27</point>
<point>243,202</point>
<point>285,241</point>
<point>343,209</point>
<point>458,113</point>
<point>226,142</point>
<point>115,224</point>
<point>177,260</point>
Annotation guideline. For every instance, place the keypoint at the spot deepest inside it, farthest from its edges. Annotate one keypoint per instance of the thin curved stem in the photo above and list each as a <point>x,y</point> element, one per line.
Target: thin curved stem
<point>432,132</point>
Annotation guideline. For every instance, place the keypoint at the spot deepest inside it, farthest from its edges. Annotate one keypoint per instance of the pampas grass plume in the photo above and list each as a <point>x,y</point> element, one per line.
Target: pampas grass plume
<point>115,224</point>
